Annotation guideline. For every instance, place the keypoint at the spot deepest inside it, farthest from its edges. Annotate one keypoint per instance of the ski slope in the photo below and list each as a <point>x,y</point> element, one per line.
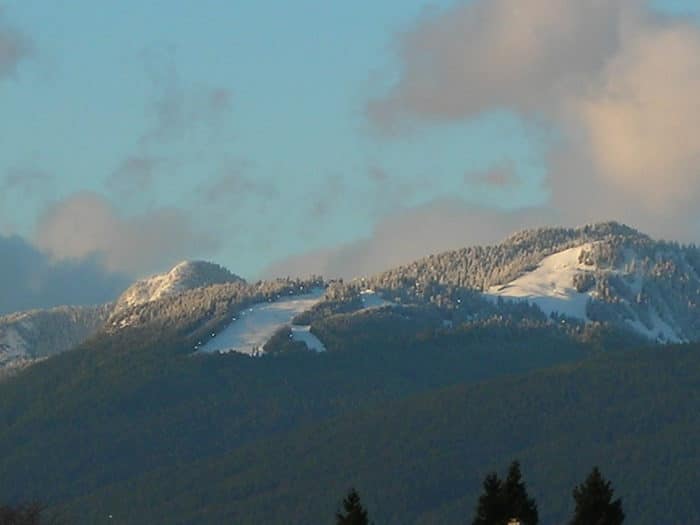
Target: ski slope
<point>303,335</point>
<point>249,332</point>
<point>550,286</point>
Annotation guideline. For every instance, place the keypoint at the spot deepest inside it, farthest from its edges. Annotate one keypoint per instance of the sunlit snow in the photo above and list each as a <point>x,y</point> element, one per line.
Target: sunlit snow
<point>303,334</point>
<point>550,286</point>
<point>249,332</point>
<point>371,299</point>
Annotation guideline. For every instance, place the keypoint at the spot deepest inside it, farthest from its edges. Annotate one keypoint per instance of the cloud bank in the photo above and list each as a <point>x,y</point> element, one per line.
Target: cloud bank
<point>440,225</point>
<point>86,224</point>
<point>14,48</point>
<point>616,82</point>
<point>30,279</point>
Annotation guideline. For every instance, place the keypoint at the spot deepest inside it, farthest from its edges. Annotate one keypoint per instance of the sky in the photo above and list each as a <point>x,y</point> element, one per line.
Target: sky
<point>339,138</point>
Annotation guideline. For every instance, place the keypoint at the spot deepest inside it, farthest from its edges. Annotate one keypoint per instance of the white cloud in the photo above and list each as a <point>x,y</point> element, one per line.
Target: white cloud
<point>617,82</point>
<point>86,224</point>
<point>410,234</point>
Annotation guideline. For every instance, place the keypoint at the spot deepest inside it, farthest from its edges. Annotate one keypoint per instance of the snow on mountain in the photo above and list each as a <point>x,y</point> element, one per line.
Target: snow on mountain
<point>303,335</point>
<point>372,299</point>
<point>249,331</point>
<point>12,346</point>
<point>551,285</point>
<point>28,336</point>
<point>185,276</point>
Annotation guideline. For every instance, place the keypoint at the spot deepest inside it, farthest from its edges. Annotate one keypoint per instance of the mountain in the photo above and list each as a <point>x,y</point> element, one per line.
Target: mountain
<point>601,273</point>
<point>449,366</point>
<point>604,274</point>
<point>421,459</point>
<point>26,337</point>
<point>186,275</point>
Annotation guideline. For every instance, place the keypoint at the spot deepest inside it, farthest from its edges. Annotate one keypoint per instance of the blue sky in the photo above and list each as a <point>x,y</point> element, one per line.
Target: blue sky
<point>246,119</point>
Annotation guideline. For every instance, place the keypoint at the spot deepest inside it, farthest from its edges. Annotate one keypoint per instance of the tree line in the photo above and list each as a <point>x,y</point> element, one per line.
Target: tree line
<point>502,502</point>
<point>506,502</point>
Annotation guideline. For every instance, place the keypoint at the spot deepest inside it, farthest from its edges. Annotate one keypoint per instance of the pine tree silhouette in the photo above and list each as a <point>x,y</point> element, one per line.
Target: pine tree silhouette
<point>594,503</point>
<point>502,501</point>
<point>490,509</point>
<point>353,511</point>
<point>518,504</point>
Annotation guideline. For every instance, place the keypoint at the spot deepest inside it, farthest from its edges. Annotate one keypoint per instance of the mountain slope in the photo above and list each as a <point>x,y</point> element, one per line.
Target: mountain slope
<point>186,275</point>
<point>607,273</point>
<point>123,405</point>
<point>36,334</point>
<point>137,401</point>
<point>604,273</point>
<point>421,460</point>
<point>28,336</point>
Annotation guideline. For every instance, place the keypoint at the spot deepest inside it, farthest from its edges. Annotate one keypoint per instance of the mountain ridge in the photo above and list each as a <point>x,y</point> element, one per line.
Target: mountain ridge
<point>618,276</point>
<point>28,336</point>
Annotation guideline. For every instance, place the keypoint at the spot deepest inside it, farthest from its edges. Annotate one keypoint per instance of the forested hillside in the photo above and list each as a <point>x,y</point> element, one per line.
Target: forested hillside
<point>122,405</point>
<point>421,460</point>
<point>421,374</point>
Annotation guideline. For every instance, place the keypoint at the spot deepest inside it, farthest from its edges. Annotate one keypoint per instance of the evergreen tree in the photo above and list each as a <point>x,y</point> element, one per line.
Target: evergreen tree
<point>594,503</point>
<point>502,501</point>
<point>518,504</point>
<point>490,509</point>
<point>353,511</point>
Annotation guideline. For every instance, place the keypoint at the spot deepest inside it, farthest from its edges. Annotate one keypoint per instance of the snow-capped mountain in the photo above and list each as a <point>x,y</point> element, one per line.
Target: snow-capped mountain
<point>184,276</point>
<point>604,274</point>
<point>29,336</point>
<point>562,285</point>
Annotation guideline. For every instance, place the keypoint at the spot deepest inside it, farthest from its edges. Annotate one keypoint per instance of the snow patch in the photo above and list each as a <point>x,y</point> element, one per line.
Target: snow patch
<point>254,327</point>
<point>12,346</point>
<point>303,334</point>
<point>660,330</point>
<point>551,285</point>
<point>371,299</point>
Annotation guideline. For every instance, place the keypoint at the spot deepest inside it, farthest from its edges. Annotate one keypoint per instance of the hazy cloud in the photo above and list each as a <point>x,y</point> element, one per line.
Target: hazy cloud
<point>410,234</point>
<point>30,279</point>
<point>135,171</point>
<point>14,47</point>
<point>86,224</point>
<point>500,176</point>
<point>617,82</point>
<point>236,184</point>
<point>26,181</point>
<point>179,108</point>
<point>178,111</point>
<point>641,124</point>
<point>486,54</point>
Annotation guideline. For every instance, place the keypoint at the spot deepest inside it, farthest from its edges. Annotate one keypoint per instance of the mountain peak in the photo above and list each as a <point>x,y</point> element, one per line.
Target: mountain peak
<point>586,233</point>
<point>186,275</point>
